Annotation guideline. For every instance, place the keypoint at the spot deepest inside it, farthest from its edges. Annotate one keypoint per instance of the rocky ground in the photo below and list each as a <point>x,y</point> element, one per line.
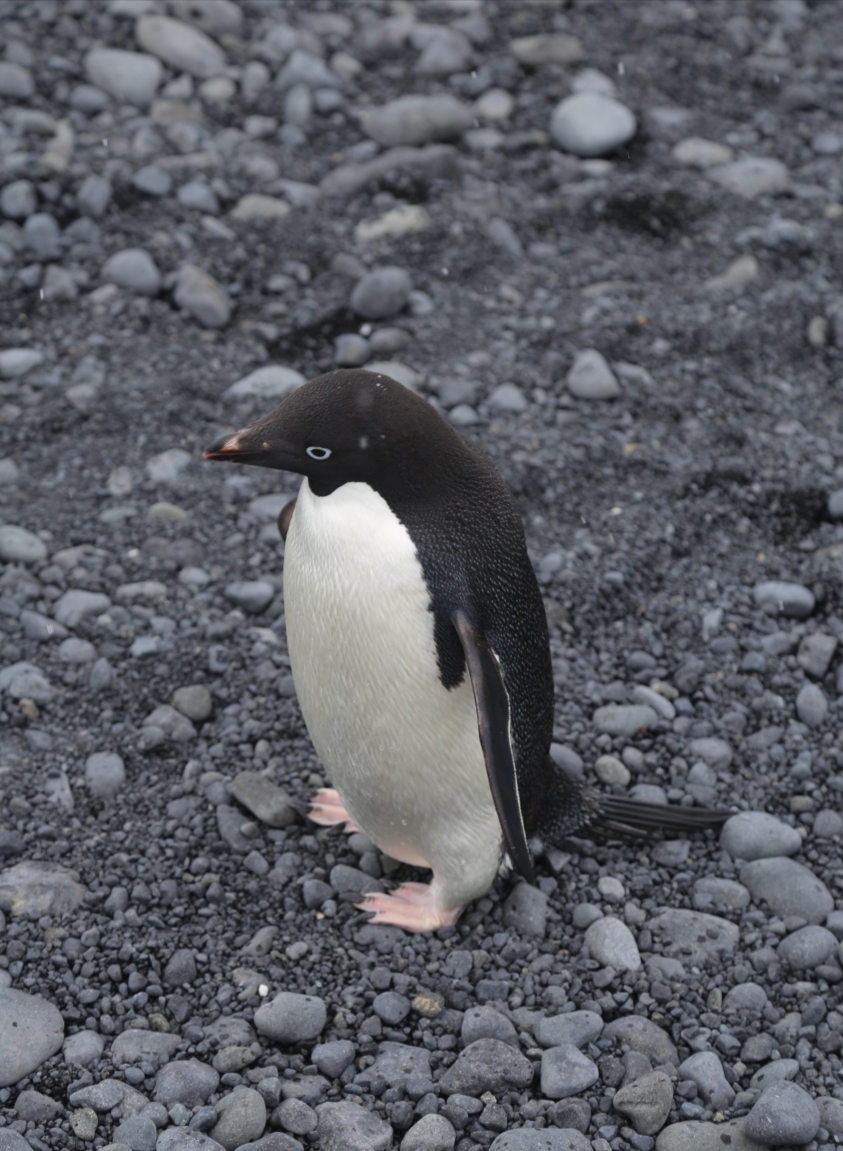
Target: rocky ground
<point>606,239</point>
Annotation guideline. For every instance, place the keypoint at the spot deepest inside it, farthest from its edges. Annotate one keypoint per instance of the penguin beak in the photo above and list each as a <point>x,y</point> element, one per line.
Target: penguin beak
<point>227,447</point>
<point>247,447</point>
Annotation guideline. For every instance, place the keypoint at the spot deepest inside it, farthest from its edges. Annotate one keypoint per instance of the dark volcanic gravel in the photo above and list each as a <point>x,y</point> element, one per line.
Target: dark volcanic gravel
<point>606,239</point>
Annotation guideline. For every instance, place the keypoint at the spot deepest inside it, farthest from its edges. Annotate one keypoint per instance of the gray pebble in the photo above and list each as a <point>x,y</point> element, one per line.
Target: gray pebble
<point>39,886</point>
<point>431,1133</point>
<point>83,1048</point>
<point>695,933</point>
<point>349,1127</point>
<point>266,800</point>
<point>93,196</point>
<point>202,296</point>
<point>242,1118</point>
<point>184,48</point>
<point>131,77</point>
<point>788,888</point>
<point>304,68</point>
<point>591,378</point>
<point>807,948</point>
<point>646,1102</point>
<point>565,1071</point>
<point>153,181</point>
<point>38,1108</point>
<point>268,383</point>
<point>180,968</point>
<point>827,824</point>
<point>774,1072</point>
<point>487,1065</point>
<point>816,652</point>
<point>18,200</point>
<point>525,910</point>
<point>487,1023</point>
<point>642,1035</point>
<point>17,545</point>
<point>417,120</point>
<point>714,894</point>
<point>183,1138</point>
<point>811,705</point>
<point>752,176</point>
<point>612,944</point>
<point>332,1058</point>
<point>137,1133</point>
<point>251,595</point>
<point>16,82</point>
<point>76,651</point>
<point>625,719</point>
<point>508,398</point>
<point>295,1116</point>
<point>591,124</point>
<point>391,1007</point>
<point>198,196</point>
<point>291,1018</point>
<point>135,1045</point>
<point>351,351</point>
<point>194,702</point>
<point>133,269</point>
<point>548,1139</point>
<point>576,1028</point>
<point>717,753</point>
<point>780,598</point>
<point>784,1114</point>
<point>105,774</point>
<point>16,362</point>
<point>756,835</point>
<point>705,1069</point>
<point>696,1136</point>
<point>381,293</point>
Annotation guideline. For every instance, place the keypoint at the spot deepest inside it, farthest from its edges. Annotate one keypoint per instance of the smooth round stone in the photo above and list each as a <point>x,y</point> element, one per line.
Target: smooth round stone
<point>591,378</point>
<point>16,82</point>
<point>17,545</point>
<point>352,351</point>
<point>695,1136</point>
<point>88,99</point>
<point>827,824</point>
<point>495,104</point>
<point>715,752</point>
<point>752,176</point>
<point>133,269</point>
<point>646,1102</point>
<point>714,894</point>
<point>131,77</point>
<point>9,473</point>
<point>94,196</point>
<point>105,774</point>
<point>785,1114</point>
<point>431,1133</point>
<point>381,293</point>
<point>32,1031</point>
<point>611,770</point>
<point>138,1133</point>
<point>788,888</point>
<point>251,595</point>
<point>242,1118</point>
<point>16,362</point>
<point>199,294</point>
<point>694,934</point>
<point>525,910</point>
<point>332,1058</point>
<point>218,90</point>
<point>565,1071</point>
<point>774,1072</point>
<point>642,1035</point>
<point>811,705</point>
<point>417,120</point>
<point>577,1028</point>
<point>611,943</point>
<point>508,398</point>
<point>745,997</point>
<point>38,1108</point>
<point>585,914</point>
<point>591,124</point>
<point>547,1139</point>
<point>349,1127</point>
<point>256,206</point>
<point>199,197</point>
<point>705,1069</point>
<point>219,18</point>
<point>486,1023</point>
<point>194,577</point>
<point>271,382</point>
<point>487,1065</point>
<point>184,48</point>
<point>807,948</point>
<point>291,1018</point>
<point>83,1048</point>
<point>780,598</point>
<point>610,888</point>
<point>624,719</point>
<point>153,181</point>
<point>695,152</point>
<point>25,681</point>
<point>77,651</point>
<point>756,835</point>
<point>194,701</point>
<point>18,200</point>
<point>187,1081</point>
<point>835,504</point>
<point>391,1007</point>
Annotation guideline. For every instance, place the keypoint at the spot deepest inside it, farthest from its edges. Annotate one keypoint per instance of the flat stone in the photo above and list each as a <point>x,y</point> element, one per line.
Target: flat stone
<point>32,1029</point>
<point>83,1048</point>
<point>333,1057</point>
<point>38,1108</point>
<point>251,595</point>
<point>642,1035</point>
<point>198,293</point>
<point>435,161</point>
<point>398,1062</point>
<point>42,887</point>
<point>784,1114</point>
<point>138,1133</point>
<point>752,176</point>
<point>548,1139</point>
<point>756,835</point>
<point>105,774</point>
<point>153,181</point>
<point>694,935</point>
<point>164,468</point>
<point>611,943</point>
<point>185,1139</point>
<point>807,947</point>
<point>17,545</point>
<point>714,894</point>
<point>811,704</point>
<point>187,1081</point>
<point>76,651</point>
<point>256,206</point>
<point>291,1018</point>
<point>788,888</point>
<point>75,605</point>
<point>646,1102</point>
<point>780,598</point>
<point>827,824</point>
<point>172,723</point>
<point>705,1069</point>
<point>16,362</point>
<point>131,77</point>
<point>16,82</point>
<point>194,702</point>
<point>350,1127</point>
<point>381,293</point>
<point>591,378</point>
<point>25,681</point>
<point>695,1136</point>
<point>565,1071</point>
<point>774,1072</point>
<point>415,120</point>
<point>184,48</point>
<point>241,1118</point>
<point>625,719</point>
<point>271,382</point>
<point>525,910</point>
<point>431,1133</point>
<point>487,1065</point>
<point>695,152</point>
<point>135,1045</point>
<point>816,652</point>
<point>591,124</point>
<point>508,398</point>
<point>487,1023</point>
<point>549,48</point>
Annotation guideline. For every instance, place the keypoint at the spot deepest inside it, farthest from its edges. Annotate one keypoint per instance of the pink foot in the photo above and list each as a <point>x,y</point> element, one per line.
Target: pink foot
<point>411,906</point>
<point>327,809</point>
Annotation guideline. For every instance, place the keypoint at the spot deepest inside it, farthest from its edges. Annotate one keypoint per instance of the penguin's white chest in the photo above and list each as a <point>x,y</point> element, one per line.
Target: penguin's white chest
<point>403,751</point>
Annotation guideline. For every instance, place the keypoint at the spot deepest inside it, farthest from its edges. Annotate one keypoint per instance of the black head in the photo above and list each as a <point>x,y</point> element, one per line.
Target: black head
<point>343,427</point>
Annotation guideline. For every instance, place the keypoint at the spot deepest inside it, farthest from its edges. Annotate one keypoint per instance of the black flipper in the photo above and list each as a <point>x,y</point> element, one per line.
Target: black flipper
<point>284,517</point>
<point>492,701</point>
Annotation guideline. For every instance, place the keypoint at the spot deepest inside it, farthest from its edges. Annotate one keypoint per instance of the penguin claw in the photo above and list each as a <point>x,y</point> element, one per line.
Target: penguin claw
<point>326,808</point>
<point>412,906</point>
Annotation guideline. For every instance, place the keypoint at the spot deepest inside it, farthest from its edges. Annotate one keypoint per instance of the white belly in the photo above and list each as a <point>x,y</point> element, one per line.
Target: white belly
<point>403,752</point>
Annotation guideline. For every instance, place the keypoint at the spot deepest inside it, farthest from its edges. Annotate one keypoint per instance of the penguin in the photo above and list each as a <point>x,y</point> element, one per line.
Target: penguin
<point>418,645</point>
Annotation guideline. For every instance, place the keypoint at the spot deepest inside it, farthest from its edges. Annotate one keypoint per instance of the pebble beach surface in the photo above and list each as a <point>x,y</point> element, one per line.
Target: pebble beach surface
<point>605,240</point>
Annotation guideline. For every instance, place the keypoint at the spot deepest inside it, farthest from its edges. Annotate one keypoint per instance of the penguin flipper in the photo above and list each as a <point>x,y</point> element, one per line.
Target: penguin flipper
<point>492,701</point>
<point>284,517</point>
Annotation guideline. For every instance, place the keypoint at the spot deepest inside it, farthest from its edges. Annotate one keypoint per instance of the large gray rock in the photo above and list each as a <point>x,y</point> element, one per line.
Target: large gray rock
<point>185,1081</point>
<point>17,545</point>
<point>133,269</point>
<point>291,1018</point>
<point>705,1069</point>
<point>788,888</point>
<point>781,598</point>
<point>183,47</point>
<point>417,120</point>
<point>566,1071</point>
<point>646,1102</point>
<point>32,1030</point>
<point>38,886</point>
<point>642,1035</point>
<point>694,935</point>
<point>576,1027</point>
<point>131,77</point>
<point>591,124</point>
<point>756,835</point>
<point>487,1065</point>
<point>784,1114</point>
<point>241,1118</point>
<point>349,1127</point>
<point>807,948</point>
<point>611,943</point>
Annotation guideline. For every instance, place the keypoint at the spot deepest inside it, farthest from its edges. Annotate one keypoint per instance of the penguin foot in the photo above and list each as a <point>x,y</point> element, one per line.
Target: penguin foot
<point>326,809</point>
<point>413,906</point>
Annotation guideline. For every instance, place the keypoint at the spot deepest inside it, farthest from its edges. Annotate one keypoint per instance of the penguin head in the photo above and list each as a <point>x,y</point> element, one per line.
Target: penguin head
<point>339,428</point>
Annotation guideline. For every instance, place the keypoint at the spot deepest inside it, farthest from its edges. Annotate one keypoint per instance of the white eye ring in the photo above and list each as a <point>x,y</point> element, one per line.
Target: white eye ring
<point>318,453</point>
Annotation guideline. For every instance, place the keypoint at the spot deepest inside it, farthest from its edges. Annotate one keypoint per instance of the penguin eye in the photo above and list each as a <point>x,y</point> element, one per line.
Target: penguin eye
<point>318,453</point>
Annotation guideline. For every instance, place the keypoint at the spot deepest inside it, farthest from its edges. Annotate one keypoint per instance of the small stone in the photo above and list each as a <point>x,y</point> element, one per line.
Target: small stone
<point>138,1133</point>
<point>105,774</point>
<point>332,1058</point>
<point>38,1108</point>
<point>508,398</point>
<point>32,1028</point>
<point>294,1115</point>
<point>133,269</point>
<point>487,1023</point>
<point>811,704</point>
<point>591,378</point>
<point>9,470</point>
<point>610,770</point>
<point>349,1127</point>
<point>242,1118</point>
<point>431,1133</point>
<point>774,1072</point>
<point>251,595</point>
<point>131,77</point>
<point>827,824</point>
<point>548,1139</point>
<point>752,176</point>
<point>694,933</point>
<point>135,1046</point>
<point>695,152</point>
<point>788,888</point>
<point>739,273</point>
<point>93,196</point>
<point>576,1028</point>
<point>184,48</point>
<point>695,1136</point>
<point>391,1007</point>
<point>487,1065</point>
<point>36,886</point>
<point>194,702</point>
<point>291,1018</point>
<point>642,1035</point>
<point>784,1114</point>
<point>202,296</point>
<point>612,944</point>
<point>180,968</point>
<point>780,598</point>
<point>255,206</point>
<point>84,1122</point>
<point>153,181</point>
<point>495,104</point>
<point>188,1082</point>
<point>591,124</point>
<point>815,653</point>
<point>807,948</point>
<point>624,719</point>
<point>83,1048</point>
<point>18,200</point>
<point>646,1102</point>
<point>417,120</point>
<point>525,910</point>
<point>271,382</point>
<point>199,197</point>
<point>713,893</point>
<point>705,1069</point>
<point>41,235</point>
<point>381,293</point>
<point>16,82</point>
<point>352,351</point>
<point>549,48</point>
<point>565,1071</point>
<point>172,723</point>
<point>17,545</point>
<point>304,68</point>
<point>756,835</point>
<point>585,914</point>
<point>16,362</point>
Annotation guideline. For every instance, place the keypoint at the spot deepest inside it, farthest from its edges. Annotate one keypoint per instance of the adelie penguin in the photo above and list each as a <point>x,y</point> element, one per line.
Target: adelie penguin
<point>419,646</point>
